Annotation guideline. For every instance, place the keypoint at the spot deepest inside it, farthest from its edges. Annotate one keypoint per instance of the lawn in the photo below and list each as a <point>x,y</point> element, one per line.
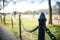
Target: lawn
<point>30,24</point>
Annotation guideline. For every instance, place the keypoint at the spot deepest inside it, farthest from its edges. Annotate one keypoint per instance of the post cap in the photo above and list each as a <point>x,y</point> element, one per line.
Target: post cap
<point>42,16</point>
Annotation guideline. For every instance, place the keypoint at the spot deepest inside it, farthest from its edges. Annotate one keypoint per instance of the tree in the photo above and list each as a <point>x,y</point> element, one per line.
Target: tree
<point>58,4</point>
<point>50,12</point>
<point>5,3</point>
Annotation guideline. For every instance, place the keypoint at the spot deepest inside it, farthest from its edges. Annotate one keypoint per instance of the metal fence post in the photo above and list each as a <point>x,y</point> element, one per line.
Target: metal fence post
<point>4,18</point>
<point>20,26</point>
<point>42,23</point>
<point>12,21</point>
<point>1,19</point>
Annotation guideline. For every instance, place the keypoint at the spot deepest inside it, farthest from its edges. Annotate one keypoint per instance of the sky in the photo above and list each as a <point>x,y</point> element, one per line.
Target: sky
<point>27,5</point>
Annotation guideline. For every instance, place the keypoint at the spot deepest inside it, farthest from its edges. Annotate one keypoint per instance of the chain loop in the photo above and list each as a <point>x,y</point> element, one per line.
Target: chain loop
<point>28,30</point>
<point>49,33</point>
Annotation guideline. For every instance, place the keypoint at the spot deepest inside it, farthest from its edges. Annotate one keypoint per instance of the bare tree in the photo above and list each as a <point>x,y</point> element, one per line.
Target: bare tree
<point>50,12</point>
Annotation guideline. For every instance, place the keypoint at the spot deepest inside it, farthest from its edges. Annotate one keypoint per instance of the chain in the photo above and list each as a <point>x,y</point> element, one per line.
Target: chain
<point>49,33</point>
<point>28,30</point>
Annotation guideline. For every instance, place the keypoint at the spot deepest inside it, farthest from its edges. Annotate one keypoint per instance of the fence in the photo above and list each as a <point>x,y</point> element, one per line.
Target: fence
<point>41,28</point>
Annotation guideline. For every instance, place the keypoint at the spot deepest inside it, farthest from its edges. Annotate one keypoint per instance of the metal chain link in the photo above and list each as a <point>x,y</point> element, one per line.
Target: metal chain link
<point>29,30</point>
<point>49,33</point>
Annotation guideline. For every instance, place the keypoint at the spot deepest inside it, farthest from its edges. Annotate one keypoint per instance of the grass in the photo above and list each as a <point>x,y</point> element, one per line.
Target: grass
<point>30,24</point>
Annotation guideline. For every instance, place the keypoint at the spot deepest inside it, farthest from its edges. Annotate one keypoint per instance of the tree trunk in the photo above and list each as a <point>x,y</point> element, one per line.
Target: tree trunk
<point>50,12</point>
<point>3,3</point>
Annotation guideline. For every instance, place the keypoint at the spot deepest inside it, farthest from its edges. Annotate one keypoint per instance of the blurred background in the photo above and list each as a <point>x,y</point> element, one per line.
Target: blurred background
<point>29,11</point>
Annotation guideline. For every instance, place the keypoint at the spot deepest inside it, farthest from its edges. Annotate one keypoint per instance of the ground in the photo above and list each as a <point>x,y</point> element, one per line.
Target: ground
<point>6,34</point>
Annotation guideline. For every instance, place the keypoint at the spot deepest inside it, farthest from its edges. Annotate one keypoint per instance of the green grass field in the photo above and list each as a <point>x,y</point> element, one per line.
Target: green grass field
<point>30,24</point>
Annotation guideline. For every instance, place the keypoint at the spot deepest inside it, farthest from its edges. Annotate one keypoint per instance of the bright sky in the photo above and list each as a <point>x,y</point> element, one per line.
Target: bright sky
<point>26,5</point>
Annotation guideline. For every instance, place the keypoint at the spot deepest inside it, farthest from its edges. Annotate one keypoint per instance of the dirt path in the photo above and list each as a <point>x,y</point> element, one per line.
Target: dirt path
<point>6,34</point>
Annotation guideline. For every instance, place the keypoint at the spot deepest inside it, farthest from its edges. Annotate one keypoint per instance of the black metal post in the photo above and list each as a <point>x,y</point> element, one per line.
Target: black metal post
<point>12,21</point>
<point>1,19</point>
<point>4,18</point>
<point>20,26</point>
<point>42,24</point>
